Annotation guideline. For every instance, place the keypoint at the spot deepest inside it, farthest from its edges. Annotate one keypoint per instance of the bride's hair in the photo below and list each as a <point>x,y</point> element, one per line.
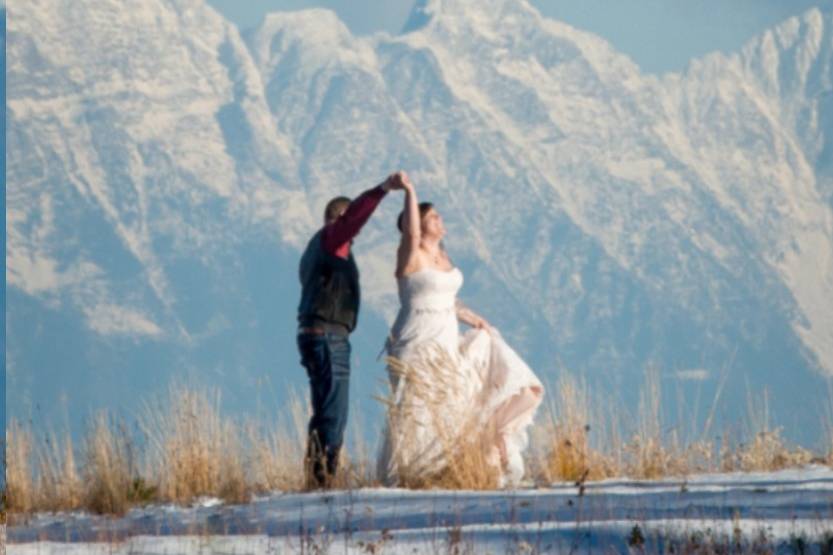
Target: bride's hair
<point>424,207</point>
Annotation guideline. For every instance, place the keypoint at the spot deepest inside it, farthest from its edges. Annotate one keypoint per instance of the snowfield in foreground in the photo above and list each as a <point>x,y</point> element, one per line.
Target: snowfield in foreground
<point>789,511</point>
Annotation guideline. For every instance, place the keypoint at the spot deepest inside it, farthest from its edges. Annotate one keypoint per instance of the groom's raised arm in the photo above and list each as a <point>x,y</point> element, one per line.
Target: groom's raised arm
<point>337,235</point>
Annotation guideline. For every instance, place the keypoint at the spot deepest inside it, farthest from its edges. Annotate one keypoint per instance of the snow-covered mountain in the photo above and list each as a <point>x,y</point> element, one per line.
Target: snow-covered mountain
<point>164,172</point>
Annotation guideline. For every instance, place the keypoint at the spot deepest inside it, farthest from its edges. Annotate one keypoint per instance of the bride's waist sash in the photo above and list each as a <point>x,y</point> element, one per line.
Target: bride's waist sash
<point>427,309</point>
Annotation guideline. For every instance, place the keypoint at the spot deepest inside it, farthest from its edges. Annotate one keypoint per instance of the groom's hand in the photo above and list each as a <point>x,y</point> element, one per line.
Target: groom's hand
<point>396,181</point>
<point>390,183</point>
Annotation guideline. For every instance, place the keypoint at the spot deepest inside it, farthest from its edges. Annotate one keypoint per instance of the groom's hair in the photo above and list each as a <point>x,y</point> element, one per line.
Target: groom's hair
<point>424,207</point>
<point>335,206</point>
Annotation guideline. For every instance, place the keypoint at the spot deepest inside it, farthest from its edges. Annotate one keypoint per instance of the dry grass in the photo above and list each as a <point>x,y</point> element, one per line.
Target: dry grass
<point>192,449</point>
<point>20,487</point>
<point>765,452</point>
<point>438,441</point>
<point>186,448</point>
<point>58,483</point>
<point>827,415</point>
<point>651,454</point>
<point>566,433</point>
<point>570,453</point>
<point>108,467</point>
<point>358,464</point>
<point>764,449</point>
<point>651,451</point>
<point>278,454</point>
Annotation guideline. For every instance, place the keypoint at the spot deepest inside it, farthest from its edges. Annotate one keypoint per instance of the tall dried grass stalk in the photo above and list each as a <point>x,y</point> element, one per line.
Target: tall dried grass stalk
<point>358,464</point>
<point>278,453</point>
<point>58,484</point>
<point>649,454</point>
<point>193,451</point>
<point>107,466</point>
<point>764,450</point>
<point>20,490</point>
<point>828,423</point>
<point>569,455</point>
<point>440,441</point>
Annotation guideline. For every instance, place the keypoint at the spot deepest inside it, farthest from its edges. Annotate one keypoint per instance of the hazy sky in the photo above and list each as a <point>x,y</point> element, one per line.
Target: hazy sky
<point>660,35</point>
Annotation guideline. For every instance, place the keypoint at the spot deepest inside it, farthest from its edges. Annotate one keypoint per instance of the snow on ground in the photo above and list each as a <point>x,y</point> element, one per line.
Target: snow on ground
<point>780,509</point>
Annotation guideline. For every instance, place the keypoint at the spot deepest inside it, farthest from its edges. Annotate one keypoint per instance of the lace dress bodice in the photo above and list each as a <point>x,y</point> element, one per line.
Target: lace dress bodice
<point>427,313</point>
<point>430,289</point>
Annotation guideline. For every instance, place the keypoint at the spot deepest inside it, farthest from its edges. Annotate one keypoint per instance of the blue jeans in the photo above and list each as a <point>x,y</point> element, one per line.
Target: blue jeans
<point>326,358</point>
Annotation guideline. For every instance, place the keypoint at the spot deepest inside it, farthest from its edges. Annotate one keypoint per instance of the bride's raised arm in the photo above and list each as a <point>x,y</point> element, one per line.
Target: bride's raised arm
<point>406,257</point>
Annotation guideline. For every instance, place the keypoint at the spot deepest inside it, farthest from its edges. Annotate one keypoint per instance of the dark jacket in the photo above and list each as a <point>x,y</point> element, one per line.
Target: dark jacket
<point>329,287</point>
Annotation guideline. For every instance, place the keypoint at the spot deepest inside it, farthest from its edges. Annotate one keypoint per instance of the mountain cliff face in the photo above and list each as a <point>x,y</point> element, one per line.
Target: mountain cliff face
<point>164,173</point>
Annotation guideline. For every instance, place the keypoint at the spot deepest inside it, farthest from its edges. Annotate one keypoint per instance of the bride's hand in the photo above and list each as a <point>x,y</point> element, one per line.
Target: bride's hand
<point>468,316</point>
<point>405,181</point>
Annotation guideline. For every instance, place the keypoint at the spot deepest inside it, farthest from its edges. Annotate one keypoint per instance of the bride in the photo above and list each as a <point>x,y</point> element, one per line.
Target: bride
<point>447,389</point>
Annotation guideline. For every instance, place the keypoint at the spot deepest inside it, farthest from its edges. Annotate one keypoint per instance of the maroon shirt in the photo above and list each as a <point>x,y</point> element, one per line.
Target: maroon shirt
<point>338,235</point>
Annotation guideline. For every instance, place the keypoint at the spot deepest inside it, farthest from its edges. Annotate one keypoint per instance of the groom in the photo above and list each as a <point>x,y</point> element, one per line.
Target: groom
<point>326,315</point>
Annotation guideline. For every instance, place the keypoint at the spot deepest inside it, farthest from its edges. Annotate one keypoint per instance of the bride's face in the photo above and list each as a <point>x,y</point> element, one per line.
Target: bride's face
<point>432,224</point>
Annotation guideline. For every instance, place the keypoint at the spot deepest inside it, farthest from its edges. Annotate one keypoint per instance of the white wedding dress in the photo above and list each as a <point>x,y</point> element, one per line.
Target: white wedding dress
<point>450,387</point>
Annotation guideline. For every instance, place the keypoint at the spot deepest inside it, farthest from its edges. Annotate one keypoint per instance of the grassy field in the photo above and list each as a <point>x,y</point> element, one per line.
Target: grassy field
<point>183,447</point>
